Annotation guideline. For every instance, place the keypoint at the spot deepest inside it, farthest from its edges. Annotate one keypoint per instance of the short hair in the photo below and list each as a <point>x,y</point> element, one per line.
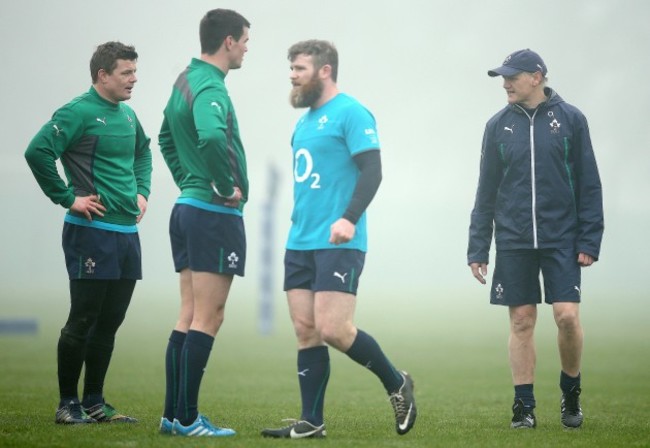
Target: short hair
<point>323,53</point>
<point>218,24</point>
<point>106,56</point>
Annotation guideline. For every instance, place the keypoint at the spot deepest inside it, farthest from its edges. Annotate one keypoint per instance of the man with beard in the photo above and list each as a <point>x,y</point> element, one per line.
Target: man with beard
<point>337,171</point>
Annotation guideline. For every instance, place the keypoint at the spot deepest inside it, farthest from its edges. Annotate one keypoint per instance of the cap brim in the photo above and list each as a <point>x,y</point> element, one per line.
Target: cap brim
<point>504,71</point>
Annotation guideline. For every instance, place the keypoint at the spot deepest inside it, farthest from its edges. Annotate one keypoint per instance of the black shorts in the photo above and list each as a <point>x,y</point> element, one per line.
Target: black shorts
<point>98,254</point>
<point>323,270</point>
<point>516,276</point>
<point>207,241</point>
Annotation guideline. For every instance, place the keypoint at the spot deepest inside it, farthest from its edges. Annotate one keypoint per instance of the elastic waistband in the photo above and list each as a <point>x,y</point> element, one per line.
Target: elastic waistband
<point>100,224</point>
<point>209,207</point>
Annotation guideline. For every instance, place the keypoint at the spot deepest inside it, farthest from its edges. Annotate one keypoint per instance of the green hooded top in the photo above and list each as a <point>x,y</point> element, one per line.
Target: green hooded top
<point>103,150</point>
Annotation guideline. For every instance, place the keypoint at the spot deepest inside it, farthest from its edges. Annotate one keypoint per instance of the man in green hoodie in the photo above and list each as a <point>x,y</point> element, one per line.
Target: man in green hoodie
<point>107,162</point>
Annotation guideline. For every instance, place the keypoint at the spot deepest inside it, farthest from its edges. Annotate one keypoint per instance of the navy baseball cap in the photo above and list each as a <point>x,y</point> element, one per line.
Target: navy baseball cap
<point>520,61</point>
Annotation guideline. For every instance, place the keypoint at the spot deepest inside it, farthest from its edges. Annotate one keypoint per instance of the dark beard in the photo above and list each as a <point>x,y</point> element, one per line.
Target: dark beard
<point>306,95</point>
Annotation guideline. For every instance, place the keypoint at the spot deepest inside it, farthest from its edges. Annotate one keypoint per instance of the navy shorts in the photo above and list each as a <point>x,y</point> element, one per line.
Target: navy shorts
<point>516,276</point>
<point>323,270</point>
<point>207,241</point>
<point>98,254</point>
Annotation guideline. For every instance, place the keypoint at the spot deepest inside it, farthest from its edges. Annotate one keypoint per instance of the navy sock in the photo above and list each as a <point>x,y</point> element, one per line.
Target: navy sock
<point>524,392</point>
<point>366,351</point>
<point>568,382</point>
<point>172,366</point>
<point>194,358</point>
<point>313,375</point>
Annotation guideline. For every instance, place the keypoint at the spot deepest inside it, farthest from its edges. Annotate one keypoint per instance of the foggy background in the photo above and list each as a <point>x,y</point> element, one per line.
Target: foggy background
<point>420,67</point>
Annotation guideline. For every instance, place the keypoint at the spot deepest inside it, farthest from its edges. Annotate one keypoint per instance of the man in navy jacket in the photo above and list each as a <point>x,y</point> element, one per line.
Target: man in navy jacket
<point>539,192</point>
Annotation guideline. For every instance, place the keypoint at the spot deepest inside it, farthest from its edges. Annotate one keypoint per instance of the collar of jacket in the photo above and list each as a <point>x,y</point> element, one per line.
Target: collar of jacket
<point>552,98</point>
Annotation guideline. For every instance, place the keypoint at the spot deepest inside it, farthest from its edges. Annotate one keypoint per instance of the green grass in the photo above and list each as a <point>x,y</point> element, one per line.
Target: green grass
<point>456,354</point>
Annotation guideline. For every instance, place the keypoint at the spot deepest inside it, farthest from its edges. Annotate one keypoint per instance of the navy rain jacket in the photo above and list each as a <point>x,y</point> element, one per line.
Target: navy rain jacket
<point>539,185</point>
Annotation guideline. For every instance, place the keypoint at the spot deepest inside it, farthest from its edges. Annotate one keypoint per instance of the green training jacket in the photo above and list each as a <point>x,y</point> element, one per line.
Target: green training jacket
<point>103,150</point>
<point>199,138</point>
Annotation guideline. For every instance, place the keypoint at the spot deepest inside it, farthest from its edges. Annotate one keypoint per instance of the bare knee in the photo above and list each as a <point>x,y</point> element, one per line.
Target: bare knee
<point>522,320</point>
<point>331,336</point>
<point>208,323</point>
<point>185,320</point>
<point>306,332</point>
<point>567,319</point>
<point>339,336</point>
<point>218,318</point>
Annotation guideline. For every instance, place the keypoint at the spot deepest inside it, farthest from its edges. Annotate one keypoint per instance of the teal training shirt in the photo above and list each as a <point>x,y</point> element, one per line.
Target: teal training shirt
<point>103,150</point>
<point>199,138</point>
<point>324,143</point>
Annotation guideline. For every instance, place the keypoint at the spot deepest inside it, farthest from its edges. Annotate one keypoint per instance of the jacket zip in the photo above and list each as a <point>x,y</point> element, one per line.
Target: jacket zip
<point>532,173</point>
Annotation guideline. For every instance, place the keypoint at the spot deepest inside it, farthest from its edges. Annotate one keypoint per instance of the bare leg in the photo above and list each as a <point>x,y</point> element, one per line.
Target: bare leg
<point>210,292</point>
<point>521,345</point>
<point>334,314</point>
<point>186,313</point>
<point>569,336</point>
<point>301,310</point>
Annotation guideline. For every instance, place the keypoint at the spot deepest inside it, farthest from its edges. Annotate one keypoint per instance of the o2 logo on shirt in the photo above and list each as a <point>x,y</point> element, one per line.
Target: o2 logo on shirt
<point>303,161</point>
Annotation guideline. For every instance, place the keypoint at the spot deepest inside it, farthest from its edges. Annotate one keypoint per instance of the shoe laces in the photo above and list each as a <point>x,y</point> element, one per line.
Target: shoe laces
<point>205,420</point>
<point>570,401</point>
<point>398,402</point>
<point>520,411</point>
<point>75,410</point>
<point>293,422</point>
<point>397,399</point>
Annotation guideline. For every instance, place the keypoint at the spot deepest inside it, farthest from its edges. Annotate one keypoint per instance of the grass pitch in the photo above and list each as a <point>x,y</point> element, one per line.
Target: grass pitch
<point>457,357</point>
